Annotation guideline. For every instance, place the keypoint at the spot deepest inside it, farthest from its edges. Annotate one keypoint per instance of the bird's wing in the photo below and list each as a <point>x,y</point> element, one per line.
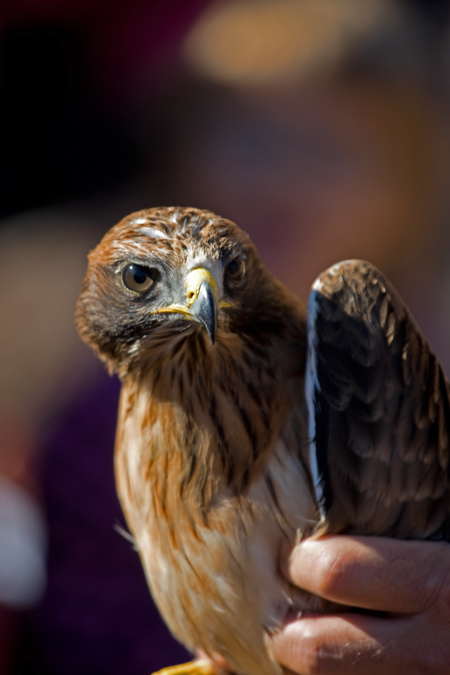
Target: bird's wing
<point>379,411</point>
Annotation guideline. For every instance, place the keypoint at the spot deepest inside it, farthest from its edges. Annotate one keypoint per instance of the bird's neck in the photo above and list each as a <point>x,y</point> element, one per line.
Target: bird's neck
<point>225,404</point>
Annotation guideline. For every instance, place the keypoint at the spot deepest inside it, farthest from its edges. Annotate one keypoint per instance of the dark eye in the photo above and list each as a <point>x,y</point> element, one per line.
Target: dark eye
<point>138,278</point>
<point>235,269</point>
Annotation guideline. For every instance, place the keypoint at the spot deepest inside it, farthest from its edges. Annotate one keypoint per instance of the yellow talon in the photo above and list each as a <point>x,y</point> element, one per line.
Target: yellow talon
<point>197,667</point>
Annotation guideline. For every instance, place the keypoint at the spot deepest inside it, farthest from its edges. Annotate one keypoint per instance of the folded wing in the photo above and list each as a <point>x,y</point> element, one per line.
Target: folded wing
<point>379,411</point>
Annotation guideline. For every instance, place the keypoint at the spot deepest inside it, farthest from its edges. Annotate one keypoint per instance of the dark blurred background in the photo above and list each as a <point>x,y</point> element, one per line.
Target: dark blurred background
<point>319,126</point>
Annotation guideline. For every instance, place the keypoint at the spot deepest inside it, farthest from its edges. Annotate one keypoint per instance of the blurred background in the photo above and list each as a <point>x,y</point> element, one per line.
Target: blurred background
<point>321,127</point>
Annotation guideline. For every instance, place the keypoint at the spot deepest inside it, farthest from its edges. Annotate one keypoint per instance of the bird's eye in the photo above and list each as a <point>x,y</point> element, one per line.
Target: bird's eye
<point>138,278</point>
<point>235,269</point>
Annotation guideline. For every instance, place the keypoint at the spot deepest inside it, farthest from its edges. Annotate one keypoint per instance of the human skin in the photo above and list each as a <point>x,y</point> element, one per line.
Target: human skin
<point>408,581</point>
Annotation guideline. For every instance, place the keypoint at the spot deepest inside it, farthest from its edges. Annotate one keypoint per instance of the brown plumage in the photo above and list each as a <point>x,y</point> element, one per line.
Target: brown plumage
<point>380,414</point>
<point>220,464</point>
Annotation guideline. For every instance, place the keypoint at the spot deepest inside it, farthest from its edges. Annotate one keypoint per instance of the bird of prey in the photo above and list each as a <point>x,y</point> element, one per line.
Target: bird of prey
<point>247,422</point>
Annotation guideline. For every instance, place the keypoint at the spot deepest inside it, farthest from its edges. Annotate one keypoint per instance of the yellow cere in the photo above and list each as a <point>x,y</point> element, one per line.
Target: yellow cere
<point>195,279</point>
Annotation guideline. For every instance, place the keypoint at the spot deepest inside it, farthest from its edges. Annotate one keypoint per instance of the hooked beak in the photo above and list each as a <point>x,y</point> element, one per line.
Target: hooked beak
<point>205,308</point>
<point>202,301</point>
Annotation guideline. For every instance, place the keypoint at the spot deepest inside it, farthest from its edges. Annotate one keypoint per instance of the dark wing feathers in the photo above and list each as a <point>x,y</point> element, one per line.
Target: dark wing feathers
<point>379,410</point>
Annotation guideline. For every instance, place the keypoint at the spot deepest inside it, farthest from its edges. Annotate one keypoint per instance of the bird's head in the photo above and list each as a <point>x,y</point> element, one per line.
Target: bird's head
<point>163,275</point>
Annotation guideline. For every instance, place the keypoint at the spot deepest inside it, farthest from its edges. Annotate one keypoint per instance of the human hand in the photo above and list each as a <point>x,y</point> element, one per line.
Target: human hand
<point>409,581</point>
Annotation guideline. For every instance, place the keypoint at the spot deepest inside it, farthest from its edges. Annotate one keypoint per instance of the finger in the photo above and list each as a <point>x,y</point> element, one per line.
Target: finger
<point>371,572</point>
<point>215,658</point>
<point>350,643</point>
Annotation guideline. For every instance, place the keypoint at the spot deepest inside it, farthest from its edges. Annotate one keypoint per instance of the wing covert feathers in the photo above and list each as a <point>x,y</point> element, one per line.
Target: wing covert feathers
<point>379,410</point>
